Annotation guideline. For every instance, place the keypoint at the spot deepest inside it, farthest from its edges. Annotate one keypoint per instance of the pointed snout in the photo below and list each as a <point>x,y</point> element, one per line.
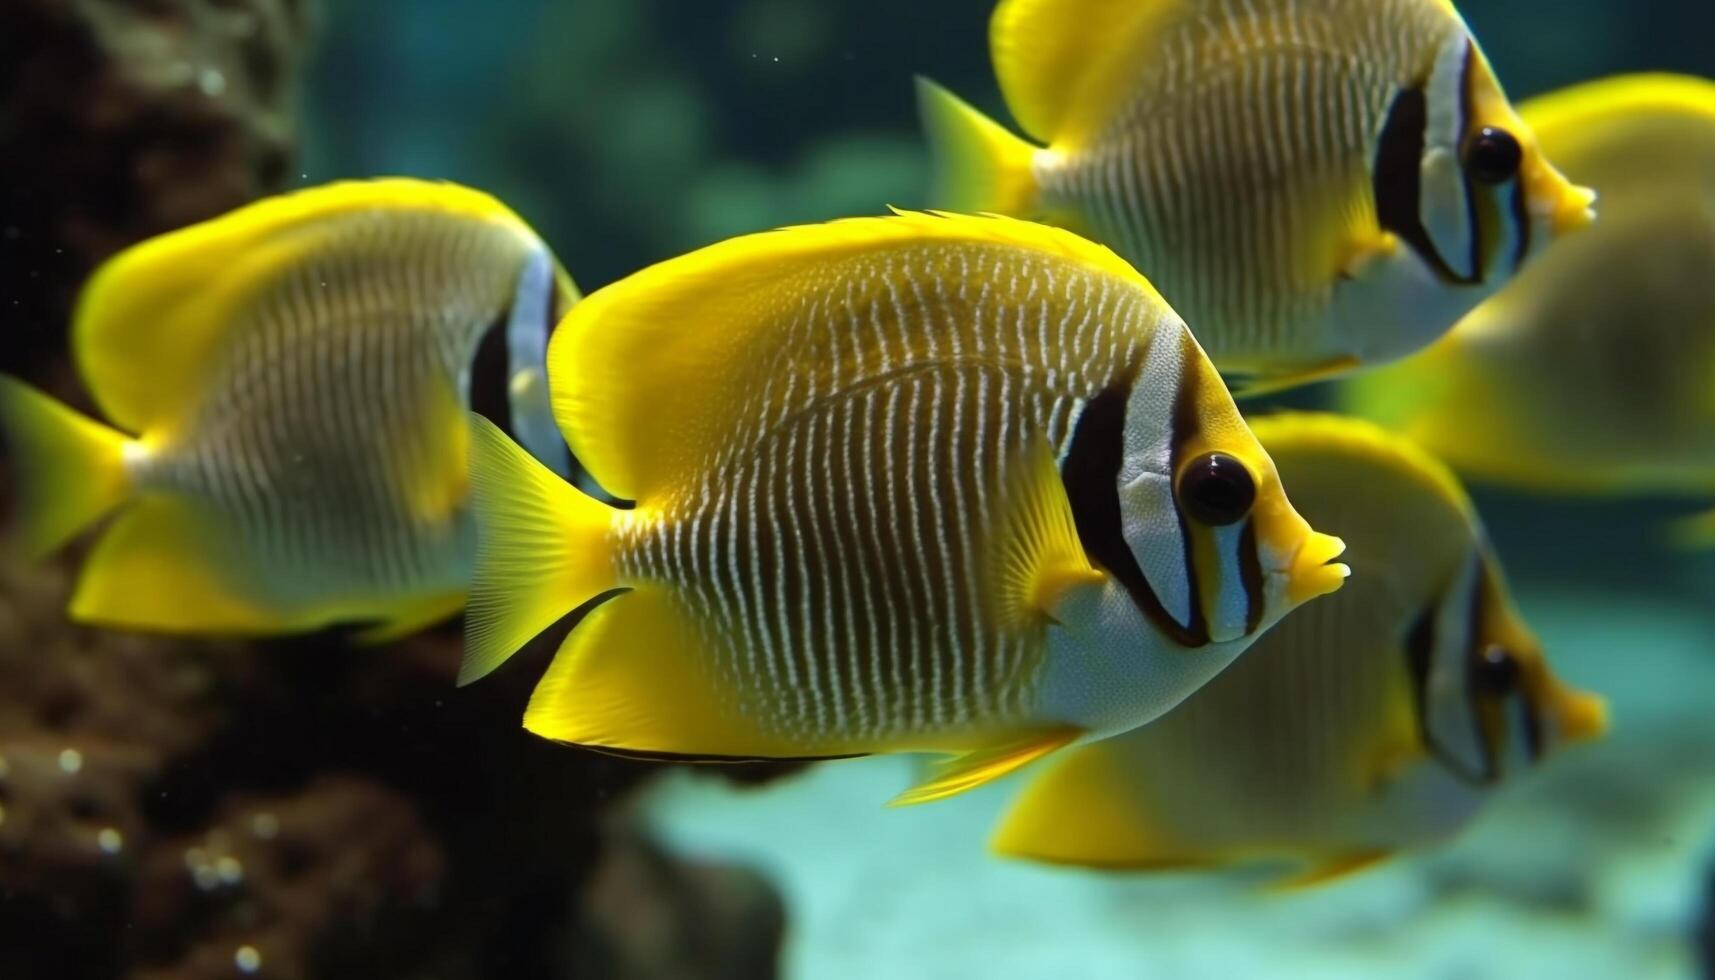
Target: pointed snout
<point>1314,570</point>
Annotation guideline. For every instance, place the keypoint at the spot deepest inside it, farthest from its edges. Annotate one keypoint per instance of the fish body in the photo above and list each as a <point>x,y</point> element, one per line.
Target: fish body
<point>1314,184</point>
<point>288,388</point>
<point>916,483</point>
<point>1593,371</point>
<point>1378,719</point>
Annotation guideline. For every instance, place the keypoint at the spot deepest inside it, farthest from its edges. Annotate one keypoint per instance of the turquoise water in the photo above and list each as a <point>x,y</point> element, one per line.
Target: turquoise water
<point>630,131</point>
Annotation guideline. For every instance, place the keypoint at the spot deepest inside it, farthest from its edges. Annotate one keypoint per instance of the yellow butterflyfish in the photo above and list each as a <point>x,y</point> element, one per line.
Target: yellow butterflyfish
<point>285,389</point>
<point>1314,185</point>
<point>923,483</point>
<point>1379,719</point>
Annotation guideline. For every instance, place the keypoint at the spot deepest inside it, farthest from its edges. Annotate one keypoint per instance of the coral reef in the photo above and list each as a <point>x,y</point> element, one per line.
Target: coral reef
<point>175,809</point>
<point>119,120</point>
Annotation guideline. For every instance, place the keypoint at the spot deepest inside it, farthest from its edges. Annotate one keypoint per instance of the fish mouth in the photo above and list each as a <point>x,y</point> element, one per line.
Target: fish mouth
<point>1314,570</point>
<point>1574,208</point>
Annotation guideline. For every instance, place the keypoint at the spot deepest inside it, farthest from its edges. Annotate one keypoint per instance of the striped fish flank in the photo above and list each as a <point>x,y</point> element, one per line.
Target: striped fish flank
<point>852,533</point>
<point>1293,174</point>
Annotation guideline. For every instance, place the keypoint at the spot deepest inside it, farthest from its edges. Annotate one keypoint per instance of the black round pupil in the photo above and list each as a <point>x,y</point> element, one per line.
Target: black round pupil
<point>1493,156</point>
<point>1217,490</point>
<point>1496,671</point>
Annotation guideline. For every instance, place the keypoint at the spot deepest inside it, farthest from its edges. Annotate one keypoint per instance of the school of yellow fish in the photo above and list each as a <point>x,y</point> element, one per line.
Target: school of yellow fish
<point>968,482</point>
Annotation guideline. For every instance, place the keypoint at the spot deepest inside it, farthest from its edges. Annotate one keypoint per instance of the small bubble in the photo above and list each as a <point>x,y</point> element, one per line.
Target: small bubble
<point>207,879</point>
<point>212,82</point>
<point>109,840</point>
<point>230,871</point>
<point>265,825</point>
<point>71,761</point>
<point>247,959</point>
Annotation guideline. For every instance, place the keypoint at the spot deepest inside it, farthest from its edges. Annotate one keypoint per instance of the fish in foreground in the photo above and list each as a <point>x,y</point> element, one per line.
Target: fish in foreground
<point>1592,372</point>
<point>1376,720</point>
<point>912,483</point>
<point>287,388</point>
<point>1313,184</point>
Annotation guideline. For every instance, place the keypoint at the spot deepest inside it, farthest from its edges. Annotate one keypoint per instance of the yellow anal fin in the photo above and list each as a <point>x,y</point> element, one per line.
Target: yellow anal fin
<point>973,769</point>
<point>412,617</point>
<point>1091,809</point>
<point>1330,869</point>
<point>636,676</point>
<point>1039,558</point>
<point>159,567</point>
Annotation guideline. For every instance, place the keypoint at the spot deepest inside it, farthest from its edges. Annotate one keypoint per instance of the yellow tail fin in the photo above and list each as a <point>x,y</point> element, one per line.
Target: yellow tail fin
<point>978,164</point>
<point>70,469</point>
<point>541,550</point>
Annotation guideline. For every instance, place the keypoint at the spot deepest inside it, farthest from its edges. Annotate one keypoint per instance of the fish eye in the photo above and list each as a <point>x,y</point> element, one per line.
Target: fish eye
<point>1493,156</point>
<point>1216,490</point>
<point>1496,671</point>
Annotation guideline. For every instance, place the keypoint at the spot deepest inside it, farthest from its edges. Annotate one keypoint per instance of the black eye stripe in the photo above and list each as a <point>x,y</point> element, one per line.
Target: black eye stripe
<point>1467,112</point>
<point>1250,573</point>
<point>1184,423</point>
<point>1420,642</point>
<point>1090,472</point>
<point>1397,179</point>
<point>1521,221</point>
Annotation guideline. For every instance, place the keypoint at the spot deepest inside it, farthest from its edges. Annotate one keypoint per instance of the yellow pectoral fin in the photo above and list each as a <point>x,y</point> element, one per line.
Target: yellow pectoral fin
<point>413,617</point>
<point>636,676</point>
<point>1038,558</point>
<point>1330,869</point>
<point>160,567</point>
<point>1363,250</point>
<point>973,769</point>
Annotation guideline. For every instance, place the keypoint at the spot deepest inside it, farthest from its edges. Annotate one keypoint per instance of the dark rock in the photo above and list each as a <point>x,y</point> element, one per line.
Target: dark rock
<point>304,807</point>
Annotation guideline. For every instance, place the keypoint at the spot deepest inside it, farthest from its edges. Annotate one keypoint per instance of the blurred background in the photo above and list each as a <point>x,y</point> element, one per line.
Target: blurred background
<point>172,809</point>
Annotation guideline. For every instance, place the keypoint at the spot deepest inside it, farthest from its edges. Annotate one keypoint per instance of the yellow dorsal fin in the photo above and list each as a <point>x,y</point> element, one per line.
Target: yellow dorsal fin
<point>973,769</point>
<point>1299,432</point>
<point>1621,98</point>
<point>1063,64</point>
<point>151,317</point>
<point>1038,555</point>
<point>643,372</point>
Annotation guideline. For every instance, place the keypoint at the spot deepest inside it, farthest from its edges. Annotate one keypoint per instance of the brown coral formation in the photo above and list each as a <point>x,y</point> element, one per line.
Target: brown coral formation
<point>122,119</point>
<point>174,810</point>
